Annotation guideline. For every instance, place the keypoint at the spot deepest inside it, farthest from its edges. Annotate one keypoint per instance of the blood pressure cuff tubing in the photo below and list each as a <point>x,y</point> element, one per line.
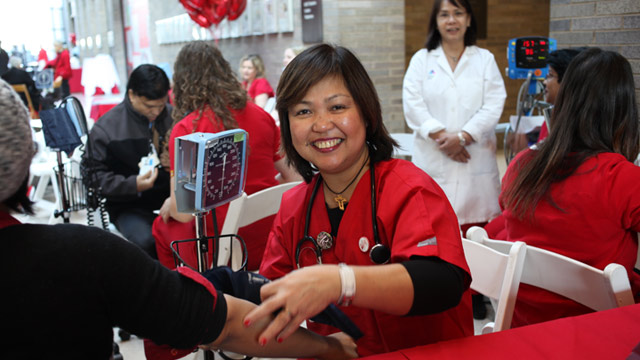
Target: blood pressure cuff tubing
<point>246,285</point>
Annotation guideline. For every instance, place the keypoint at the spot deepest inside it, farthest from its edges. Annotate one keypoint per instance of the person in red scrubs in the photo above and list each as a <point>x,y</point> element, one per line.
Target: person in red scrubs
<point>577,193</point>
<point>209,99</point>
<point>383,229</point>
<point>253,80</point>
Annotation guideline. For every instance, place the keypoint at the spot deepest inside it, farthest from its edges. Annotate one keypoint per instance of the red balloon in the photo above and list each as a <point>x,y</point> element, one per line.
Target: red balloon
<point>216,10</point>
<point>194,9</point>
<point>236,8</point>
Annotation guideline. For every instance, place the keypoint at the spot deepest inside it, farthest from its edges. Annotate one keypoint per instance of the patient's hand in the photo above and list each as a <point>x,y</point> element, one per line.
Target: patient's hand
<point>341,346</point>
<point>165,210</point>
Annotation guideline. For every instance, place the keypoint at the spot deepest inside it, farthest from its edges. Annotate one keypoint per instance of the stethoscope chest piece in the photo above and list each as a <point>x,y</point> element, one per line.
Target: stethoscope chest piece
<point>380,254</point>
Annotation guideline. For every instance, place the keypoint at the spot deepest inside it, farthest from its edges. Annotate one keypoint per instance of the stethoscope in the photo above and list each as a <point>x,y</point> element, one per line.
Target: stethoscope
<point>379,253</point>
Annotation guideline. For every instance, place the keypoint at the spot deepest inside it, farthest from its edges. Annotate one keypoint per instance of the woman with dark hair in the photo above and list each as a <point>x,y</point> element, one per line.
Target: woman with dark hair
<point>385,231</point>
<point>578,193</point>
<point>453,95</point>
<point>206,90</point>
<point>105,281</point>
<point>253,80</point>
<point>558,62</point>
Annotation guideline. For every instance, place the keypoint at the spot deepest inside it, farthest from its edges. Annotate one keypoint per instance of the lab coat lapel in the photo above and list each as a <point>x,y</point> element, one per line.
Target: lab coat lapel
<point>442,61</point>
<point>464,59</point>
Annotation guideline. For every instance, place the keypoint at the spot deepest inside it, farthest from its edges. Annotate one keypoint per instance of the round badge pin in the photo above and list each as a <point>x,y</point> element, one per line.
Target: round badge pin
<point>363,243</point>
<point>324,240</point>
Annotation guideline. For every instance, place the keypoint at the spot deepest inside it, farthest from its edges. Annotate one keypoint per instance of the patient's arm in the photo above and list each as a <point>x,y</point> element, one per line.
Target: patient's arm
<point>241,339</point>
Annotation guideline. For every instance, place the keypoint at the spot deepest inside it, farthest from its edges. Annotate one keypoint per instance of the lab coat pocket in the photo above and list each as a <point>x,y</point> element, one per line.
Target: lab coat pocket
<point>435,85</point>
<point>471,96</point>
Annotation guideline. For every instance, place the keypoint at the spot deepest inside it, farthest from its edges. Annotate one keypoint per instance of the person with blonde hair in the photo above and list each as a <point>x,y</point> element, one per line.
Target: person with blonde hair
<point>253,81</point>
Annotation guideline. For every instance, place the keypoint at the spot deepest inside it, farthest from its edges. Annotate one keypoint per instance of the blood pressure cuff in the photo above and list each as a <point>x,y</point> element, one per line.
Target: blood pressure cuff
<point>246,285</point>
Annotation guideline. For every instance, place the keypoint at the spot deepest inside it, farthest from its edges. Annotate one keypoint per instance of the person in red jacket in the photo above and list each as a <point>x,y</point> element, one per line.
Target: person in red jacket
<point>61,69</point>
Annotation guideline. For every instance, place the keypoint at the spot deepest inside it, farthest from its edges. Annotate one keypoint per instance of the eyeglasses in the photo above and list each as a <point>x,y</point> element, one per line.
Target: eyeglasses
<point>458,14</point>
<point>550,76</point>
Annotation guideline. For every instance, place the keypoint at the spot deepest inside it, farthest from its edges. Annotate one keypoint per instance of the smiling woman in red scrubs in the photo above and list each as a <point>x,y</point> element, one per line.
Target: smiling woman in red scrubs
<point>384,231</point>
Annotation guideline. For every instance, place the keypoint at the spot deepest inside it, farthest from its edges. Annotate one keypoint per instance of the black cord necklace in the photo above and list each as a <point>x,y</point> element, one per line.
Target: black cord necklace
<point>341,200</point>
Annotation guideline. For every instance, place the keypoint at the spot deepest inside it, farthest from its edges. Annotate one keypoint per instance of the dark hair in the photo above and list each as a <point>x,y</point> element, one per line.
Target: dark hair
<point>559,60</point>
<point>149,81</point>
<point>202,76</point>
<point>595,112</point>
<point>433,36</point>
<point>20,201</point>
<point>312,66</point>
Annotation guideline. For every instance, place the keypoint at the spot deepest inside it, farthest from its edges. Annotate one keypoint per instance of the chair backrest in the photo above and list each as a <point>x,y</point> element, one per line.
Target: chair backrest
<point>406,144</point>
<point>497,276</point>
<point>22,88</point>
<point>246,210</point>
<point>270,105</point>
<point>587,285</point>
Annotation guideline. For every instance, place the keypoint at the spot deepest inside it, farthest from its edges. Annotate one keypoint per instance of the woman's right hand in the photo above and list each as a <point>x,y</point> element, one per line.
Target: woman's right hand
<point>298,296</point>
<point>341,346</point>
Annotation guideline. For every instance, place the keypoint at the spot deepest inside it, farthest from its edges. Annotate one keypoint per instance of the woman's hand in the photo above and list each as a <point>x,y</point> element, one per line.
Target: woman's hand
<point>165,210</point>
<point>301,295</point>
<point>449,144</point>
<point>341,346</point>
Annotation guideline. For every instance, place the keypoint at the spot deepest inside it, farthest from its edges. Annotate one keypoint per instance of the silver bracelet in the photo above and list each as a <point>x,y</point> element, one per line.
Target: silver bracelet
<point>347,284</point>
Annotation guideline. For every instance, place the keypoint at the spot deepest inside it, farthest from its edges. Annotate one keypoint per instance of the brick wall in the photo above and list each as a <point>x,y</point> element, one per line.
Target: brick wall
<point>506,19</point>
<point>374,31</point>
<point>609,24</point>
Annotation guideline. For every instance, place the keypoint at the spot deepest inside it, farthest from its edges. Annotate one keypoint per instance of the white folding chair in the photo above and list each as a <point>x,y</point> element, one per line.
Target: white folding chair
<point>406,144</point>
<point>594,288</point>
<point>246,210</point>
<point>497,276</point>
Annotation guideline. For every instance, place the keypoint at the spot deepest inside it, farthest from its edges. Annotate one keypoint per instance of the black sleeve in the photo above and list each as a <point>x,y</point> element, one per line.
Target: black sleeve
<point>437,284</point>
<point>144,297</point>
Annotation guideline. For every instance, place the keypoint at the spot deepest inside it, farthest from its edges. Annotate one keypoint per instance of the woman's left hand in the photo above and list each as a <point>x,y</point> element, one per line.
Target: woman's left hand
<point>449,144</point>
<point>300,295</point>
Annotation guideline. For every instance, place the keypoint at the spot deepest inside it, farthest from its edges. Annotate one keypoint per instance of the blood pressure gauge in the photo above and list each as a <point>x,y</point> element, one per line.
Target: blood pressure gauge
<point>210,169</point>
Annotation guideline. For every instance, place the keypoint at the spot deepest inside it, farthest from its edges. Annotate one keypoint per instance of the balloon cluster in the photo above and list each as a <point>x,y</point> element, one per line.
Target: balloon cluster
<point>211,12</point>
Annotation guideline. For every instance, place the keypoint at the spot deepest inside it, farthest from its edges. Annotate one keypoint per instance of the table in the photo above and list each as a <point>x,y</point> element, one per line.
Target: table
<point>610,334</point>
<point>100,104</point>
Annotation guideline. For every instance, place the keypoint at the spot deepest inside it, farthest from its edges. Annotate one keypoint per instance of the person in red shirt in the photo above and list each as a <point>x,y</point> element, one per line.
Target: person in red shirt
<point>383,229</point>
<point>61,69</point>
<point>253,80</point>
<point>577,193</point>
<point>206,90</point>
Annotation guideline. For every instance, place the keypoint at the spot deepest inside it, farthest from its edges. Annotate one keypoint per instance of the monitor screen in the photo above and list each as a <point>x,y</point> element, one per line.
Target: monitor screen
<point>531,53</point>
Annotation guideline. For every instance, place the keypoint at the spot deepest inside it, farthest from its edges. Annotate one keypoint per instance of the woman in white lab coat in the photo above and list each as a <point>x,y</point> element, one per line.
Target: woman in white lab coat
<point>453,95</point>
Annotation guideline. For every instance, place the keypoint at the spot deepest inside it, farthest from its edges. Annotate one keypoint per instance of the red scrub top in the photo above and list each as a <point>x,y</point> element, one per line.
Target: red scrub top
<point>414,217</point>
<point>263,150</point>
<point>258,86</point>
<point>595,222</point>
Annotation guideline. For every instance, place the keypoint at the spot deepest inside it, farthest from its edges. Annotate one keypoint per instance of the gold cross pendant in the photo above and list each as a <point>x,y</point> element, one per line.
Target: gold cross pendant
<point>340,200</point>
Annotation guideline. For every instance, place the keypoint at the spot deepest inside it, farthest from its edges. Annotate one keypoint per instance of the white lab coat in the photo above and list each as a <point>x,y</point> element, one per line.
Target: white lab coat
<point>470,99</point>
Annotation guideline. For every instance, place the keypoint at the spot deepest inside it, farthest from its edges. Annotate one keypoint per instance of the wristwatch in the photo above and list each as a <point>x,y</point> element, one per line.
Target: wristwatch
<point>463,140</point>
